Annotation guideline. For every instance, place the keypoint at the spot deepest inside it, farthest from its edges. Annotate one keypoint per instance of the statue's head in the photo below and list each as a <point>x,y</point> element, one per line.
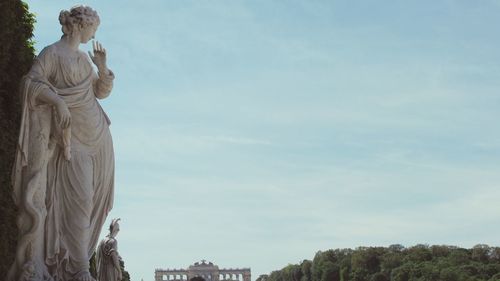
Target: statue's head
<point>79,21</point>
<point>114,227</point>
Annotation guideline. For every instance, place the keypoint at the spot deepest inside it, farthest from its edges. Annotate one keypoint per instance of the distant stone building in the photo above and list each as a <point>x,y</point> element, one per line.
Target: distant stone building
<point>207,271</point>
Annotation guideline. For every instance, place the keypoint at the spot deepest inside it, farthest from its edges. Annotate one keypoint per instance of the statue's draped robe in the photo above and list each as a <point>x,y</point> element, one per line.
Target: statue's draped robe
<point>69,199</point>
<point>106,270</point>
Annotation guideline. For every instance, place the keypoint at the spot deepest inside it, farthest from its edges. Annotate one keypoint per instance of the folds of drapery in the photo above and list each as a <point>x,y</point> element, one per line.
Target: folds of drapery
<point>106,269</point>
<point>37,119</point>
<point>30,88</point>
<point>103,84</point>
<point>29,176</point>
<point>41,176</point>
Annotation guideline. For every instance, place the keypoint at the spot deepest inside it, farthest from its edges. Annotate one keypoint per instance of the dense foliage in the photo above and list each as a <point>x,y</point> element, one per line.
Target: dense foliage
<point>396,263</point>
<point>16,56</point>
<point>125,274</point>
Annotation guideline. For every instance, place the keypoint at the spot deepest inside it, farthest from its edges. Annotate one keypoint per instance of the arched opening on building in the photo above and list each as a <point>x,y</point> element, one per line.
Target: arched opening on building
<point>197,278</point>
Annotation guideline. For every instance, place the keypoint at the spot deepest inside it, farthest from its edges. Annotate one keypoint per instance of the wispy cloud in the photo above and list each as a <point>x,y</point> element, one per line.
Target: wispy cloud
<point>287,128</point>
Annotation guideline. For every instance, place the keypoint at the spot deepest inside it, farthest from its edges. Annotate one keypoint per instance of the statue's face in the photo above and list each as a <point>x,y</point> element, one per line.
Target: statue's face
<point>87,33</point>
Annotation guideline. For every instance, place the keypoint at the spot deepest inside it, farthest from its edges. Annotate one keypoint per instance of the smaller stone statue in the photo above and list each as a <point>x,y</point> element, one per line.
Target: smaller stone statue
<point>108,259</point>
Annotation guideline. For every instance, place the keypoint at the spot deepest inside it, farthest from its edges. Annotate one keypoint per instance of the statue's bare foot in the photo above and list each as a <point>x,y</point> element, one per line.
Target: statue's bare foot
<point>83,276</point>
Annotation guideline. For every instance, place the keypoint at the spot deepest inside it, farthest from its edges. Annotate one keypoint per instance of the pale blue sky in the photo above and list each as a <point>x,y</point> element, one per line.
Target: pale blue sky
<point>254,133</point>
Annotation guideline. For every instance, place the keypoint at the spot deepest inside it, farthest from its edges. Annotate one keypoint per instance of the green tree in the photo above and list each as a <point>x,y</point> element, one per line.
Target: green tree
<point>275,276</point>
<point>317,266</point>
<point>379,276</point>
<point>425,271</point>
<point>495,277</point>
<point>490,270</point>
<point>459,256</point>
<point>368,258</point>
<point>396,248</point>
<point>419,253</point>
<point>481,253</point>
<point>391,260</point>
<point>325,265</point>
<point>396,263</point>
<point>292,272</point>
<point>344,274</point>
<point>448,274</point>
<point>471,269</point>
<point>495,254</point>
<point>359,274</point>
<point>440,251</point>
<point>330,272</point>
<point>262,277</point>
<point>125,274</point>
<point>401,273</point>
<point>305,268</point>
<point>16,58</point>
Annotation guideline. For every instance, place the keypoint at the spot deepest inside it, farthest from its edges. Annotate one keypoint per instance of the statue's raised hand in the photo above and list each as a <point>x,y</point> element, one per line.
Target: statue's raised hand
<point>99,56</point>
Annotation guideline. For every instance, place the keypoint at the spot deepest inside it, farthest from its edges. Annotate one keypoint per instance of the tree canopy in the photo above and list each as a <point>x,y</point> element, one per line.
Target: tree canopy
<point>396,263</point>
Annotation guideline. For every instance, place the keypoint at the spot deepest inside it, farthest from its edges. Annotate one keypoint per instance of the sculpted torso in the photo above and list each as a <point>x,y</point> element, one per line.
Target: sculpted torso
<point>66,69</point>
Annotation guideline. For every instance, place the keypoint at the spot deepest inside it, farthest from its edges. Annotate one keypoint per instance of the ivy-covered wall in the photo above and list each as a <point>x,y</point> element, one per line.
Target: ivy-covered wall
<point>16,57</point>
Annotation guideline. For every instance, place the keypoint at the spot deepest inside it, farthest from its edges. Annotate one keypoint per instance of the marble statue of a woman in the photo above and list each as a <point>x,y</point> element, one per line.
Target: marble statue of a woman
<point>108,259</point>
<point>63,176</point>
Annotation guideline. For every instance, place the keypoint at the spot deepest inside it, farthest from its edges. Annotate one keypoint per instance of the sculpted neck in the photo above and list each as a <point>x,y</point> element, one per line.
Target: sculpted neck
<point>72,42</point>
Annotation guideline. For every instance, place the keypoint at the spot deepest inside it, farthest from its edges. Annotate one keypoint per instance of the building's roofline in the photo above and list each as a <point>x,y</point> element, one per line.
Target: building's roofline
<point>220,269</point>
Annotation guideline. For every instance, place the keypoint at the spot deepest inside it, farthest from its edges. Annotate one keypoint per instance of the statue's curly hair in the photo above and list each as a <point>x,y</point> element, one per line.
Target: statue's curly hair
<point>78,15</point>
